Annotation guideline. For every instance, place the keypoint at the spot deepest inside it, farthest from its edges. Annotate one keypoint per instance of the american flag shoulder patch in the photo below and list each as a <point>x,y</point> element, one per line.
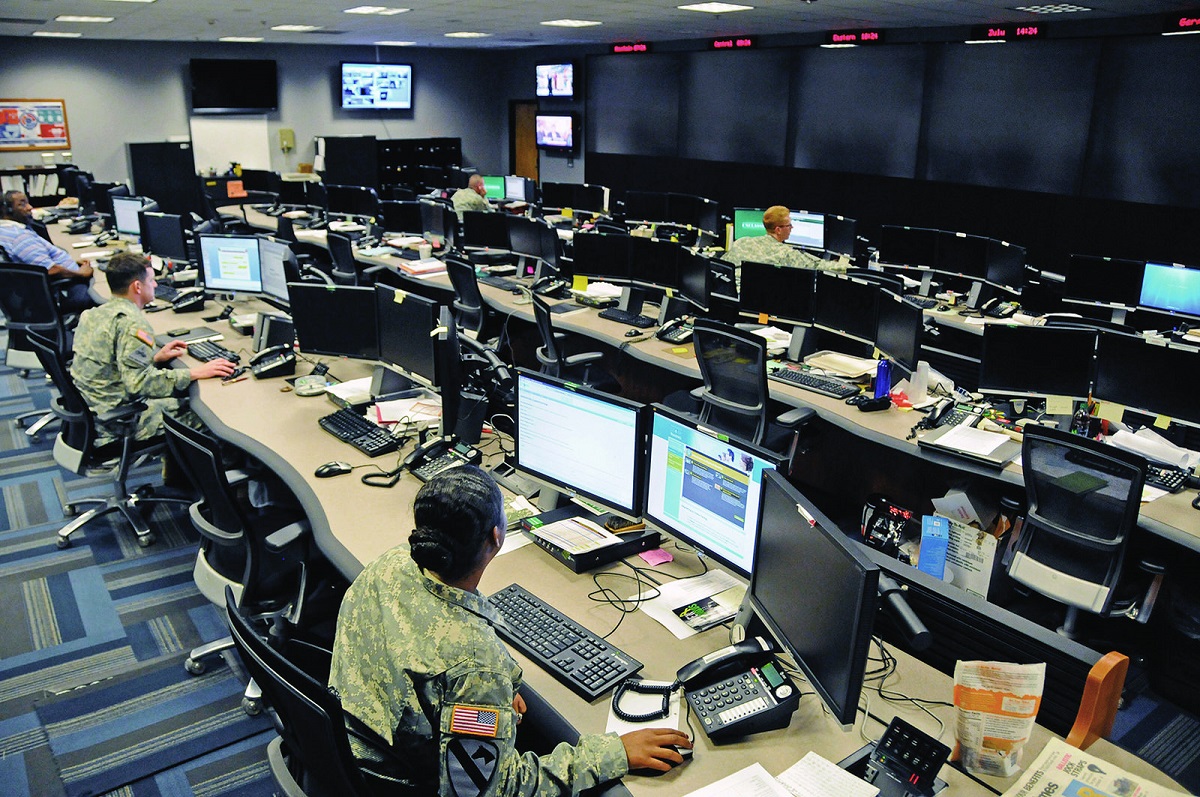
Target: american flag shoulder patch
<point>474,720</point>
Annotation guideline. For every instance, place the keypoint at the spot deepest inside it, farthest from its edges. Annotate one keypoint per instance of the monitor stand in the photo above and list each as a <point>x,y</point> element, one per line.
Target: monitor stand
<point>632,300</point>
<point>388,384</point>
<point>1118,315</point>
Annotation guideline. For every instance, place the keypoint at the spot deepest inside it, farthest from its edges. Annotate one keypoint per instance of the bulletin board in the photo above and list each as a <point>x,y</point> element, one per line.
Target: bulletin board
<point>33,124</point>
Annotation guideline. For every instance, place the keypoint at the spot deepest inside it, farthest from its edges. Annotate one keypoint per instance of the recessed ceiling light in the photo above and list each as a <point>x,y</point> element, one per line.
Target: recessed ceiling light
<point>296,28</point>
<point>571,23</point>
<point>78,18</point>
<point>467,34</point>
<point>383,11</point>
<point>714,8</point>
<point>837,46</point>
<point>395,44</point>
<point>246,39</point>
<point>984,41</point>
<point>1053,8</point>
<point>57,34</point>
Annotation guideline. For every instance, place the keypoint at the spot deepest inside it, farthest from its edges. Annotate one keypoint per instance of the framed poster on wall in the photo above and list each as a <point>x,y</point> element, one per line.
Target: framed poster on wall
<point>33,124</point>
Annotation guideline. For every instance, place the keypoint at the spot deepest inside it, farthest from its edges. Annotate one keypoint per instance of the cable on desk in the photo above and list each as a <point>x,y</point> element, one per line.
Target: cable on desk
<point>887,671</point>
<point>603,594</point>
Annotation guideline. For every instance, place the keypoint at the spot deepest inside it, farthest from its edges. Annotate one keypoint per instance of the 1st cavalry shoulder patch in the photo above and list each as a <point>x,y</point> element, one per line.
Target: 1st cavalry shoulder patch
<point>144,337</point>
<point>474,720</point>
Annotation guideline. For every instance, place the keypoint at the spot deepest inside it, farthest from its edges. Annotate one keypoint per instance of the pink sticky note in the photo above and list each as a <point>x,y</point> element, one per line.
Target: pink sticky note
<point>656,557</point>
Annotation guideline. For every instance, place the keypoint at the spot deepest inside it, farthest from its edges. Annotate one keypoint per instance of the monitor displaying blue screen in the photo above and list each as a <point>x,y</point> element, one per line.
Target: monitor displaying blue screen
<point>808,229</point>
<point>231,263</point>
<point>1173,288</point>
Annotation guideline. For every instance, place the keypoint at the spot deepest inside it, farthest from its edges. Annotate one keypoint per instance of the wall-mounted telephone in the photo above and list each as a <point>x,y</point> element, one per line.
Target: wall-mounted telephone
<point>440,454</point>
<point>675,331</point>
<point>188,300</point>
<point>994,308</point>
<point>275,361</point>
<point>950,413</point>
<point>739,690</point>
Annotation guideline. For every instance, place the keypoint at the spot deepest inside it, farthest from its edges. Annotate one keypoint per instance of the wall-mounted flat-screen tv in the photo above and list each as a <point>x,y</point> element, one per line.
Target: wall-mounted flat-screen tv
<point>377,86</point>
<point>233,85</point>
<point>555,80</point>
<point>555,131</point>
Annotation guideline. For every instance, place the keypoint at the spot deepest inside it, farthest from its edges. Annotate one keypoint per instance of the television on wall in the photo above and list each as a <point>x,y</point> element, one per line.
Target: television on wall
<point>376,86</point>
<point>555,80</point>
<point>233,85</point>
<point>555,131</point>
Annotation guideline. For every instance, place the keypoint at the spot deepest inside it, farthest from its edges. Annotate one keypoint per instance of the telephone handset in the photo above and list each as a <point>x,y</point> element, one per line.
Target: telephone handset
<point>994,308</point>
<point>675,331</point>
<point>440,454</point>
<point>275,361</point>
<point>739,690</point>
<point>950,413</point>
<point>548,286</point>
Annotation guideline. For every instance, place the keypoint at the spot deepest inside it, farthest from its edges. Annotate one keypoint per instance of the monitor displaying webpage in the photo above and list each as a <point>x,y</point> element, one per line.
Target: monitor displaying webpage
<point>272,256</point>
<point>808,229</point>
<point>230,263</point>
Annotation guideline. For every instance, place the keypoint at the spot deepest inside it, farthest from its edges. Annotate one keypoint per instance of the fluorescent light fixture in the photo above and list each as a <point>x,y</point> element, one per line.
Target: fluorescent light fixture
<point>395,44</point>
<point>715,8</point>
<point>1181,32</point>
<point>296,28</point>
<point>79,18</point>
<point>57,34</point>
<point>467,34</point>
<point>383,11</point>
<point>131,1</point>
<point>1053,8</point>
<point>838,46</point>
<point>245,39</point>
<point>984,41</point>
<point>571,23</point>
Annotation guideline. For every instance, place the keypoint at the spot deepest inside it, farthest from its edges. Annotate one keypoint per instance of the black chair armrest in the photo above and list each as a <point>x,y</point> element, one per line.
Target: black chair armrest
<point>583,358</point>
<point>287,536</point>
<point>796,417</point>
<point>210,531</point>
<point>125,412</point>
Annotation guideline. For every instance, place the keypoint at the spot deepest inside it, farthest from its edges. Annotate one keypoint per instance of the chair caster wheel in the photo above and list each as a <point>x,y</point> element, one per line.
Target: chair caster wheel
<point>195,666</point>
<point>63,542</point>
<point>252,707</point>
<point>145,541</point>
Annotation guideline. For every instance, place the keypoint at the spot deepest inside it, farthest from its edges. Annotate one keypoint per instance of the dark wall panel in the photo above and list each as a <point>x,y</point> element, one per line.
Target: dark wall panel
<point>858,110</point>
<point>633,104</point>
<point>1148,113</point>
<point>733,108</point>
<point>1010,115</point>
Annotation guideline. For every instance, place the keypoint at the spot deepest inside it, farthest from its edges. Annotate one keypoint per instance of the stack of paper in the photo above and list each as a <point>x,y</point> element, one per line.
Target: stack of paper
<point>811,776</point>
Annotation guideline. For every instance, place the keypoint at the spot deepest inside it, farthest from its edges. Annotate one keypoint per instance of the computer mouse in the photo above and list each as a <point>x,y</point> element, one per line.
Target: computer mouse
<point>236,373</point>
<point>633,333</point>
<point>686,752</point>
<point>942,308</point>
<point>334,468</point>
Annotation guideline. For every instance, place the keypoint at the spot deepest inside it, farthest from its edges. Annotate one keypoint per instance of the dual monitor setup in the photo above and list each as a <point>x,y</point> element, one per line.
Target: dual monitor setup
<point>954,254</point>
<point>643,262</point>
<point>510,187</point>
<point>1121,285</point>
<point>824,232</point>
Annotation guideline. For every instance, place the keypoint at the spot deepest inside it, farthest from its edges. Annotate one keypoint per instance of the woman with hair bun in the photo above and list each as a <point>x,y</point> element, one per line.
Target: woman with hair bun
<point>417,661</point>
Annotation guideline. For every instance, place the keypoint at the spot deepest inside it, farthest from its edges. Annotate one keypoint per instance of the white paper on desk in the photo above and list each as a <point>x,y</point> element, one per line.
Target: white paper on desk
<point>1152,493</point>
<point>637,703</point>
<point>576,535</point>
<point>84,242</point>
<point>970,440</point>
<point>602,290</point>
<point>421,409</point>
<point>814,776</point>
<point>1155,448</point>
<point>753,781</point>
<point>96,253</point>
<point>841,364</point>
<point>513,541</point>
<point>402,241</point>
<point>714,584</point>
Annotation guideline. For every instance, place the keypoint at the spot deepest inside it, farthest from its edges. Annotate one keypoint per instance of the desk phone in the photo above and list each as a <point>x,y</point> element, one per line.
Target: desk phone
<point>275,361</point>
<point>432,458</point>
<point>739,690</point>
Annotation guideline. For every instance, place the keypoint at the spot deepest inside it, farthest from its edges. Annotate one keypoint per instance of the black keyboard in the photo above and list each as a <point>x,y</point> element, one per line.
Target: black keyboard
<point>924,302</point>
<point>826,385</point>
<point>1166,477</point>
<point>206,350</point>
<point>166,292</point>
<point>499,282</point>
<point>587,664</point>
<point>626,317</point>
<point>350,427</point>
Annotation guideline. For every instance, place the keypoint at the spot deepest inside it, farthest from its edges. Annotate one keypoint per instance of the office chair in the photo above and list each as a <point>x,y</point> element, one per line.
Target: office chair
<point>27,301</point>
<point>312,756</point>
<point>259,556</point>
<point>1083,502</point>
<point>583,367</point>
<point>470,313</point>
<point>76,450</point>
<point>346,269</point>
<point>40,228</point>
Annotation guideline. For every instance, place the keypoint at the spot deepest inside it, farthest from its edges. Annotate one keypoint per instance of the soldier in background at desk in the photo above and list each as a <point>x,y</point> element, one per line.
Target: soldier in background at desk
<point>472,197</point>
<point>770,248</point>
<point>115,360</point>
<point>416,659</point>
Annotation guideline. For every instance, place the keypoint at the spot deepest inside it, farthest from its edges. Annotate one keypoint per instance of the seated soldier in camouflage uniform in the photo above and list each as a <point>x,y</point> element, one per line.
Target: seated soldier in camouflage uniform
<point>471,198</point>
<point>416,660</point>
<point>116,361</point>
<point>770,248</point>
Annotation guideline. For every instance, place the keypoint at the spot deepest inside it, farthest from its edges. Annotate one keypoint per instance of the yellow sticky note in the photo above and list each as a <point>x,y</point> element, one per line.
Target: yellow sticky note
<point>876,354</point>
<point>398,296</point>
<point>1059,405</point>
<point>670,293</point>
<point>1162,421</point>
<point>763,318</point>
<point>679,350</point>
<point>579,283</point>
<point>1111,412</point>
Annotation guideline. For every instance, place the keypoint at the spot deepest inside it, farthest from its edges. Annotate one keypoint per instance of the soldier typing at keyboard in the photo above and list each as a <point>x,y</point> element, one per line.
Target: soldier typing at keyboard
<point>417,664</point>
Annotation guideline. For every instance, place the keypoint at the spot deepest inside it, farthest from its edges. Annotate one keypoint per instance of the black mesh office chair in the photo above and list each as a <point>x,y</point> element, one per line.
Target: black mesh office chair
<point>76,450</point>
<point>40,228</point>
<point>1083,503</point>
<point>583,367</point>
<point>27,299</point>
<point>346,268</point>
<point>299,267</point>
<point>470,313</point>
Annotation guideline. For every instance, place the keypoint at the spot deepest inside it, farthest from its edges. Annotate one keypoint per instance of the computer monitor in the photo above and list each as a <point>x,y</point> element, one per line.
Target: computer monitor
<point>1020,360</point>
<point>695,279</point>
<point>125,215</point>
<point>1004,264</point>
<point>899,326</point>
<point>293,192</point>
<point>601,256</point>
<point>406,323</point>
<point>1147,376</point>
<point>579,196</point>
<point>846,305</point>
<point>342,321</point>
<point>654,262</point>
<point>229,263</point>
<point>439,224</point>
<point>273,256</point>
<point>494,185</point>
<point>1103,281</point>
<point>841,234</point>
<point>908,246</point>
<point>581,441</point>
<point>353,200</point>
<point>525,235</point>
<point>694,210</point>
<point>747,223</point>
<point>646,206</point>
<point>959,253</point>
<point>402,216</point>
<point>484,230</point>
<point>816,592</point>
<point>163,234</point>
<point>808,230</point>
<point>779,292</point>
<point>517,189</point>
<point>1171,287</point>
<point>703,487</point>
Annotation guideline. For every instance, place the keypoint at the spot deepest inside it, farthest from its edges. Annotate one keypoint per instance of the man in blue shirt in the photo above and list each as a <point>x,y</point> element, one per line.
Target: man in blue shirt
<point>23,245</point>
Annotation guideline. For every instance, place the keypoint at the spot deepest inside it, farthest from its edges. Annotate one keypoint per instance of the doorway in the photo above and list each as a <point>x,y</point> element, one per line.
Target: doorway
<point>522,144</point>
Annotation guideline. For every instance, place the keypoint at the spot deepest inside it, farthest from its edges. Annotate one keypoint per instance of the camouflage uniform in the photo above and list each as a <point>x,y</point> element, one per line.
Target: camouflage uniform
<point>419,664</point>
<point>765,249</point>
<point>466,199</point>
<point>114,365</point>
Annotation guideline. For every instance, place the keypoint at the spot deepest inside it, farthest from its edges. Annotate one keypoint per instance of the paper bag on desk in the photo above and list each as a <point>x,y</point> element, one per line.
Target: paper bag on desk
<point>995,707</point>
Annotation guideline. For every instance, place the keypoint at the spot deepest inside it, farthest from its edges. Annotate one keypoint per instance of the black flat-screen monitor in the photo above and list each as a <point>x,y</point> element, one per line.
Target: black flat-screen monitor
<point>601,256</point>
<point>163,234</point>
<point>401,216</point>
<point>817,593</point>
<point>1022,360</point>
<point>747,223</point>
<point>352,200</point>
<point>484,230</point>
<point>1103,281</point>
<point>840,234</point>
<point>654,262</point>
<point>695,279</point>
<point>406,323</point>
<point>704,487</point>
<point>376,87</point>
<point>273,257</point>
<point>439,224</point>
<point>125,214</point>
<point>555,131</point>
<point>959,253</point>
<point>518,189</point>
<point>646,206</point>
<point>1146,376</point>
<point>555,80</point>
<point>525,235</point>
<point>846,305</point>
<point>576,196</point>
<point>1004,264</point>
<point>694,210</point>
<point>899,326</point>
<point>908,246</point>
<point>293,192</point>
<point>779,292</point>
<point>581,440</point>
<point>229,263</point>
<point>342,321</point>
<point>233,85</point>
<point>808,229</point>
<point>1172,288</point>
